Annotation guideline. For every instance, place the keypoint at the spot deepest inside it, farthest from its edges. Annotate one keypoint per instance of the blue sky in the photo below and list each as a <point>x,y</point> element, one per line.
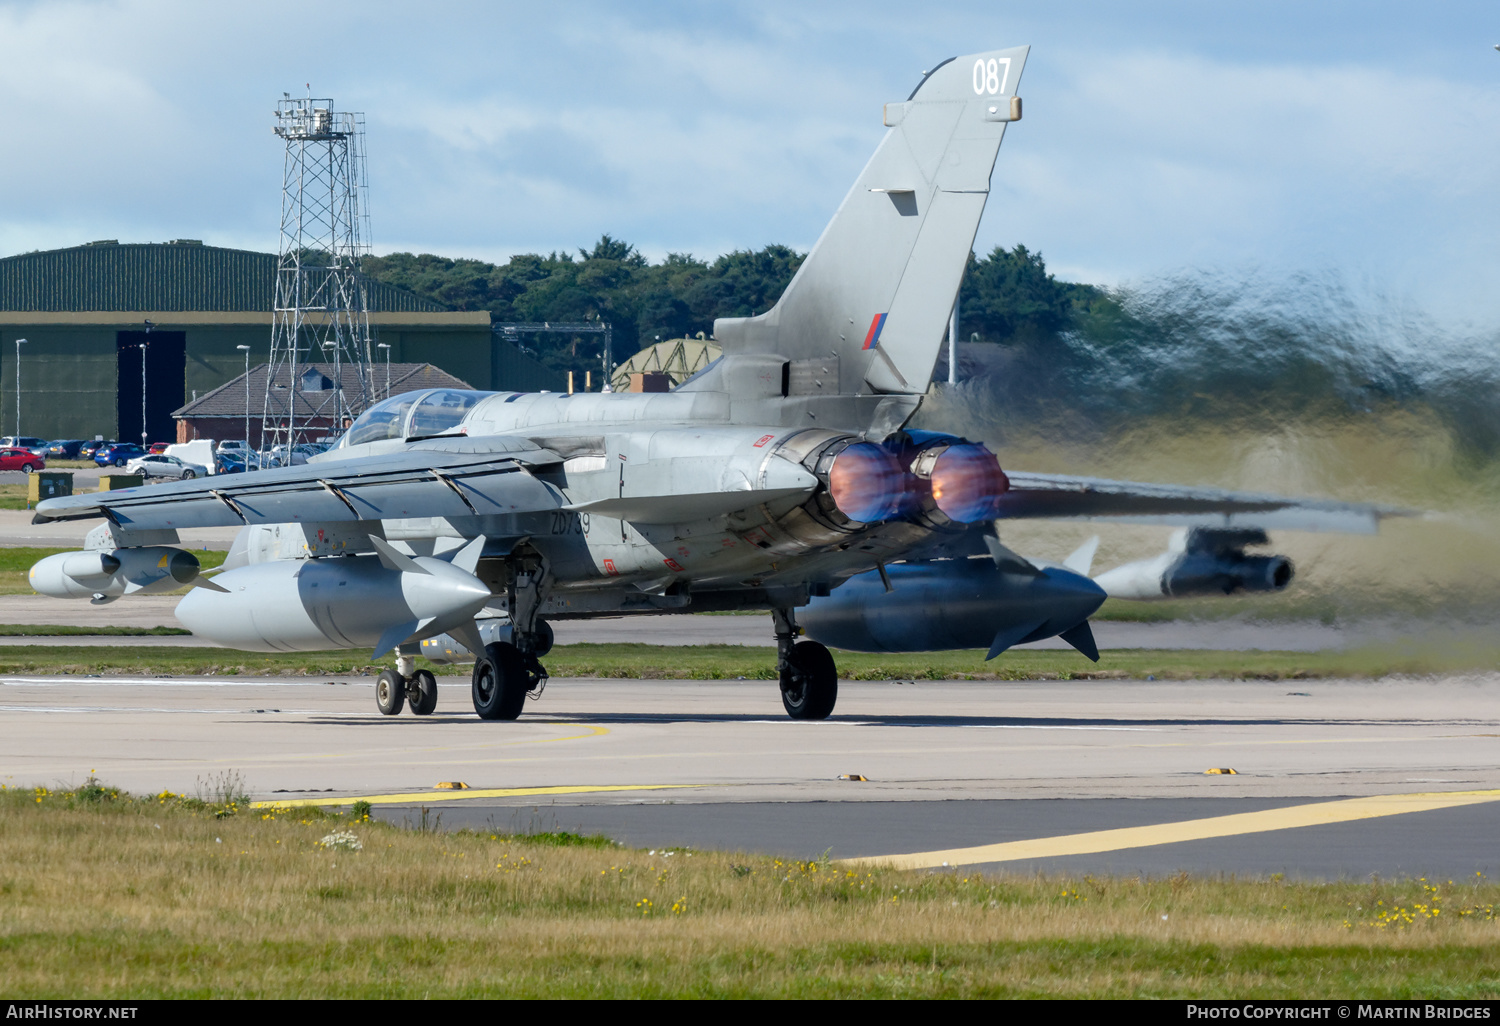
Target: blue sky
<point>1361,140</point>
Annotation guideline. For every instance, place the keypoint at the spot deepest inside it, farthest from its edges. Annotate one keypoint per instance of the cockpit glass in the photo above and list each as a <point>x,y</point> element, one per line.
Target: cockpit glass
<point>441,411</point>
<point>386,419</point>
<point>412,413</point>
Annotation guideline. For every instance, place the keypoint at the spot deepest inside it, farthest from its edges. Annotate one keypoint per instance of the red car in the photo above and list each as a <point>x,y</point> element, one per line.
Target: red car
<point>21,459</point>
<point>157,448</point>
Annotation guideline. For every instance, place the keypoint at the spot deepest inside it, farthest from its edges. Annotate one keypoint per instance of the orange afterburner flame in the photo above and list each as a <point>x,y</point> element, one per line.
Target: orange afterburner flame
<point>967,483</point>
<point>867,483</point>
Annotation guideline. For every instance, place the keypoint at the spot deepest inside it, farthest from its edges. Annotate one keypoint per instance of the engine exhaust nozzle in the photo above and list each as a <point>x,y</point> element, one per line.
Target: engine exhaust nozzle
<point>867,483</point>
<point>967,483</point>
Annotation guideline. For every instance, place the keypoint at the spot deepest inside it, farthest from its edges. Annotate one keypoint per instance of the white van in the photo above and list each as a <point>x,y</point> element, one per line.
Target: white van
<point>199,450</point>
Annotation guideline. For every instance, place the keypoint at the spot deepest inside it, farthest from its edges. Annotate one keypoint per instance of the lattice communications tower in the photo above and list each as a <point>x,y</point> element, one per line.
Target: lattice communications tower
<point>319,373</point>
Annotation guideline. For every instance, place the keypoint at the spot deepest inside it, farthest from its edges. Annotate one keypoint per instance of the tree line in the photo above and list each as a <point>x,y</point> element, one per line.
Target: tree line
<point>1006,297</point>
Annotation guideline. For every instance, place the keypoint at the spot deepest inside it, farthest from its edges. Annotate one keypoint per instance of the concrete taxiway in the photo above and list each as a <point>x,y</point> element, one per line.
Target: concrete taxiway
<point>1334,778</point>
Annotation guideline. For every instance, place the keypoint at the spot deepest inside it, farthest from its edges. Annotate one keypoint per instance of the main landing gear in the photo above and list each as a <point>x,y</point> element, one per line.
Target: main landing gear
<point>504,674</point>
<point>507,671</point>
<point>406,685</point>
<point>809,678</point>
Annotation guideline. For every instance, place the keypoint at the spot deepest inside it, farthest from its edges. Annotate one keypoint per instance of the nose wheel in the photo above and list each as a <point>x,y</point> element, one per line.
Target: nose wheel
<point>418,690</point>
<point>421,693</point>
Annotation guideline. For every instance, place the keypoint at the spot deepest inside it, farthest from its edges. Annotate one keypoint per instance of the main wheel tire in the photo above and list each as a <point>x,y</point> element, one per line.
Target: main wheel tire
<point>499,682</point>
<point>188,475</point>
<point>121,462</point>
<point>421,693</point>
<point>390,692</point>
<point>809,682</point>
<point>30,468</point>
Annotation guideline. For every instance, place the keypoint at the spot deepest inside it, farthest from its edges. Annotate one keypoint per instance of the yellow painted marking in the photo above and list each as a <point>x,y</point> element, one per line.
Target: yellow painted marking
<point>473,792</point>
<point>1097,841</point>
<point>592,732</point>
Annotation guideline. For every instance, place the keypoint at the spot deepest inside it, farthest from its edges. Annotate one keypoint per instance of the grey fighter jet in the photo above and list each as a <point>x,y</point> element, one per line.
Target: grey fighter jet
<point>781,477</point>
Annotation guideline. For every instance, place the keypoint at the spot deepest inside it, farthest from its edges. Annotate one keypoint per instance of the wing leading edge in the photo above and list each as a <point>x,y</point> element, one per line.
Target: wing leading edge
<point>418,482</point>
<point>1061,497</point>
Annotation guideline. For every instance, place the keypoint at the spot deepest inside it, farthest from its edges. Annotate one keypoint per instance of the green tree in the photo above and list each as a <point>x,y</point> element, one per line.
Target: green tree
<point>1008,297</point>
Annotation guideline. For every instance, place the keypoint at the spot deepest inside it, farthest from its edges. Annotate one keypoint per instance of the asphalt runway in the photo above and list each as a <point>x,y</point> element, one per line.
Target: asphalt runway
<point>1334,778</point>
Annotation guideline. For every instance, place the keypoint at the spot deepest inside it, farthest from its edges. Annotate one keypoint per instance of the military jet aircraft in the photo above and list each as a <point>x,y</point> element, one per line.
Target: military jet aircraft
<point>782,477</point>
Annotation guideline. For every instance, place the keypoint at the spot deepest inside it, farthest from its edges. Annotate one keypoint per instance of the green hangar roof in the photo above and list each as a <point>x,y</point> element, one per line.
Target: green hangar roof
<point>148,277</point>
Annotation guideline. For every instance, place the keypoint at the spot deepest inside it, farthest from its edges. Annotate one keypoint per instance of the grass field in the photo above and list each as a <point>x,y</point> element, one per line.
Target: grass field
<point>731,662</point>
<point>109,896</point>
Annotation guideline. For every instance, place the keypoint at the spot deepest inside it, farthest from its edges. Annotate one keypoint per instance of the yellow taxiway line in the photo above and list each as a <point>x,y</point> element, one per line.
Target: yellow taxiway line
<point>1314,814</point>
<point>423,797</point>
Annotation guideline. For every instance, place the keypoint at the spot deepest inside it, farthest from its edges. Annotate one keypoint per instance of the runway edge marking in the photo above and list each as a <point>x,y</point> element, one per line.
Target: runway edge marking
<point>1313,814</point>
<point>473,792</point>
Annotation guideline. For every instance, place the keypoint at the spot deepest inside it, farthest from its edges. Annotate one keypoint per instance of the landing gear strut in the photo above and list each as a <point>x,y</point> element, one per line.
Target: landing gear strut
<point>809,678</point>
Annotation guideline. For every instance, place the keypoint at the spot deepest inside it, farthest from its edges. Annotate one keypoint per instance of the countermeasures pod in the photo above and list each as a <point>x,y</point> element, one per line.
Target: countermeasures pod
<point>103,575</point>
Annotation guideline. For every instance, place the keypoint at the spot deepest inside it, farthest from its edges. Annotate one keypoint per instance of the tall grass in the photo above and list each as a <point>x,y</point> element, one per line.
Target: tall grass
<point>168,896</point>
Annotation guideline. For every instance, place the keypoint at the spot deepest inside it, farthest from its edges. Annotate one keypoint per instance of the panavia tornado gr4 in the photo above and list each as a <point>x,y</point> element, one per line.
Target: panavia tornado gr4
<point>782,477</point>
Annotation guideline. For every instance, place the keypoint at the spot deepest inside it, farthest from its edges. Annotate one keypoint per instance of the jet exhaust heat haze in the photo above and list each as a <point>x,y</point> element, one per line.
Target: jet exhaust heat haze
<point>782,477</point>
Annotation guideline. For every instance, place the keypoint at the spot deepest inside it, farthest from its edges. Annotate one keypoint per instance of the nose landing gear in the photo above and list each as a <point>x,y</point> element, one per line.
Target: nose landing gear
<point>406,685</point>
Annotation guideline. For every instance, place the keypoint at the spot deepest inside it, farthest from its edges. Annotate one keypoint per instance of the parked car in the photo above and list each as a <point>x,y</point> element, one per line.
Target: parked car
<point>66,449</point>
<point>233,445</point>
<point>118,454</point>
<point>12,458</point>
<point>157,465</point>
<point>87,450</point>
<point>23,442</point>
<point>235,461</point>
<point>158,447</point>
<point>300,453</point>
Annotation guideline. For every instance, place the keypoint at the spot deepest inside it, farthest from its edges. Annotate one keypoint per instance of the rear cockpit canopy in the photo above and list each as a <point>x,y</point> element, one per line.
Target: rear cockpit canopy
<point>433,412</point>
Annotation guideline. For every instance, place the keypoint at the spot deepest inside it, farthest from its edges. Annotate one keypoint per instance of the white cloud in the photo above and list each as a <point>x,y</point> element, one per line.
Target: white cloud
<point>495,128</point>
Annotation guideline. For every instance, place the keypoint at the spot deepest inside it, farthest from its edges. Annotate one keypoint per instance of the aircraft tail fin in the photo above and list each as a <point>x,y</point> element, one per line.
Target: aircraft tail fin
<point>876,290</point>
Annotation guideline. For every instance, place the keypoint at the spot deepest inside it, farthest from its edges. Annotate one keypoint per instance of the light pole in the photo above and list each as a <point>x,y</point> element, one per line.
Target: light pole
<point>19,343</point>
<point>144,434</point>
<point>387,347</point>
<point>246,351</point>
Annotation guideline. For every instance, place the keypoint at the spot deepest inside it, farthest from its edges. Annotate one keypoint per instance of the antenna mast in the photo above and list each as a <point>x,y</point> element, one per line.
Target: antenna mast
<point>321,318</point>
